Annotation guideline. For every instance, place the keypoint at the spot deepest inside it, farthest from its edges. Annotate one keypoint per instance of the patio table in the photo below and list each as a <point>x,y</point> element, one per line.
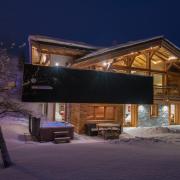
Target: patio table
<point>105,127</point>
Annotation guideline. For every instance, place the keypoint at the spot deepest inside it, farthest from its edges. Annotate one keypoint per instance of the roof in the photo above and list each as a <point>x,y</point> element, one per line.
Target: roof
<point>127,45</point>
<point>57,41</point>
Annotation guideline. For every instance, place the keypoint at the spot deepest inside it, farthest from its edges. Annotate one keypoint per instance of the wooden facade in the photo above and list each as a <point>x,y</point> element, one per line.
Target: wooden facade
<point>155,57</point>
<point>80,114</point>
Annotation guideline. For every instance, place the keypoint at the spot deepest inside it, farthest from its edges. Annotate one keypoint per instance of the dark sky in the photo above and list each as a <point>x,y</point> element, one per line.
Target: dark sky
<point>98,22</point>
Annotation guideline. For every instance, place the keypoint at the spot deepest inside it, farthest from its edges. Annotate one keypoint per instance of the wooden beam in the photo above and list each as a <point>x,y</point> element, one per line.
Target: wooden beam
<point>141,59</point>
<point>161,54</point>
<point>117,67</point>
<point>168,66</point>
<point>116,53</point>
<point>160,57</point>
<point>176,66</point>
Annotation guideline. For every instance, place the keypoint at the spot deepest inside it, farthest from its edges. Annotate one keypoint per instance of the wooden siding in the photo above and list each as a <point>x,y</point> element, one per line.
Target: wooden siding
<point>87,113</point>
<point>177,114</point>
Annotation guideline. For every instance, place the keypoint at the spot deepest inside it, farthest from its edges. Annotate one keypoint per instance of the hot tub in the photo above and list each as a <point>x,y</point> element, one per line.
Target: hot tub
<point>47,130</point>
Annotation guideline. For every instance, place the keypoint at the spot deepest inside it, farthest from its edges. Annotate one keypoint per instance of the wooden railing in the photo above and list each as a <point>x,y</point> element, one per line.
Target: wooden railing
<point>167,92</point>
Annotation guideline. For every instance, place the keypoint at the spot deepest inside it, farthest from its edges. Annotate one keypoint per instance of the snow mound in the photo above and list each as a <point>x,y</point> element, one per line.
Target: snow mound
<point>146,131</point>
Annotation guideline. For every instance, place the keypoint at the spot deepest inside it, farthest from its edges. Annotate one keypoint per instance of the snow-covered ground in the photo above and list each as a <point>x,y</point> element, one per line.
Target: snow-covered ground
<point>141,153</point>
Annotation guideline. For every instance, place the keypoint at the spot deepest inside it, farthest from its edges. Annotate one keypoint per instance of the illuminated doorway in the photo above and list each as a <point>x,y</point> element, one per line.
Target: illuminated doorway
<point>127,115</point>
<point>59,112</point>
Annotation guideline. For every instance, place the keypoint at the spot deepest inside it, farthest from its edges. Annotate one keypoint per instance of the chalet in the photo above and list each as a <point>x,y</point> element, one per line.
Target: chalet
<point>156,57</point>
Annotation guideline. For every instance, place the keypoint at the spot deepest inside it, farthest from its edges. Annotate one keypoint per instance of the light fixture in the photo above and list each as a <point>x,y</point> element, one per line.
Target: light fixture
<point>56,64</point>
<point>172,58</point>
<point>106,63</point>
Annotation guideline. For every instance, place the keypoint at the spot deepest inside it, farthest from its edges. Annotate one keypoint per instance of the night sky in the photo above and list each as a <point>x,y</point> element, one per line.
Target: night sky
<point>99,22</point>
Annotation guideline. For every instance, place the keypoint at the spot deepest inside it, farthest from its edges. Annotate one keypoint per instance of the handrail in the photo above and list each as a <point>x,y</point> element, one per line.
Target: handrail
<point>167,91</point>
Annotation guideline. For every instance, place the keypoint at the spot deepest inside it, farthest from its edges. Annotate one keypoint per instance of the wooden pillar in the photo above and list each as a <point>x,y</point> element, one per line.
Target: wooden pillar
<point>177,114</point>
<point>134,115</point>
<point>75,116</point>
<point>119,114</point>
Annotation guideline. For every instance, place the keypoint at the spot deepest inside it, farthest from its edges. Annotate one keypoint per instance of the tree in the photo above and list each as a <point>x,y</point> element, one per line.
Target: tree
<point>9,91</point>
<point>21,60</point>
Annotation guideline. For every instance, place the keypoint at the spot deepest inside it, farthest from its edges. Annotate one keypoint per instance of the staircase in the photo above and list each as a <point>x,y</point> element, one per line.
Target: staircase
<point>61,137</point>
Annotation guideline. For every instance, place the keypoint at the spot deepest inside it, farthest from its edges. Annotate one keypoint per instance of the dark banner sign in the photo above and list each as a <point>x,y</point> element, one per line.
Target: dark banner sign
<point>57,84</point>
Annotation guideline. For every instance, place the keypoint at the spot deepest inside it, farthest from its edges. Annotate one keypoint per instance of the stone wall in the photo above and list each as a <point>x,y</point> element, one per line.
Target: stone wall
<point>144,119</point>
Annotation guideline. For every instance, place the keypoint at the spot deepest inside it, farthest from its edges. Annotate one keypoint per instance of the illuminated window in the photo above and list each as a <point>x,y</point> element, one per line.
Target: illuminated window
<point>157,64</point>
<point>100,112</point>
<point>158,79</point>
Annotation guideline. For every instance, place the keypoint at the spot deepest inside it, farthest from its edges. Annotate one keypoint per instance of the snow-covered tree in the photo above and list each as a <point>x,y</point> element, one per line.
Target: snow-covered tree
<point>10,87</point>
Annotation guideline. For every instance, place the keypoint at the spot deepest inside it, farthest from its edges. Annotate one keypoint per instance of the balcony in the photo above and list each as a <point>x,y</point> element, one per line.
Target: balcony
<point>167,93</point>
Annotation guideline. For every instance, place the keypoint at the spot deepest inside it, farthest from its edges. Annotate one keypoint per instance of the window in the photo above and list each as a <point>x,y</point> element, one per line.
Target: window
<point>158,79</point>
<point>172,114</point>
<point>154,110</point>
<point>100,112</point>
<point>158,83</point>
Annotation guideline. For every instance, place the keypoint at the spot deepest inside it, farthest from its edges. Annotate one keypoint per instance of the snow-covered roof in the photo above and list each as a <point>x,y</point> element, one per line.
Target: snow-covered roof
<point>57,41</point>
<point>125,45</point>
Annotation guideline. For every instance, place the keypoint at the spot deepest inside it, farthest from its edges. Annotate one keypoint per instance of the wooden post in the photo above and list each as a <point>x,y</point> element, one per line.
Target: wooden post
<point>4,152</point>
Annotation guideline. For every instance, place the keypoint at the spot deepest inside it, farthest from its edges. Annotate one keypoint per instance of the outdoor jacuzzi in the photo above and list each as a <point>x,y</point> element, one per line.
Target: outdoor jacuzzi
<point>47,130</point>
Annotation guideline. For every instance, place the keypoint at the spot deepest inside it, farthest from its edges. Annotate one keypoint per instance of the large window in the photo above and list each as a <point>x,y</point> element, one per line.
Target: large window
<point>101,113</point>
<point>158,83</point>
<point>158,79</point>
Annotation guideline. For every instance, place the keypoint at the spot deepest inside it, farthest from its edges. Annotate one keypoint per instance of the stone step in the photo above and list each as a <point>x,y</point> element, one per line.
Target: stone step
<point>61,139</point>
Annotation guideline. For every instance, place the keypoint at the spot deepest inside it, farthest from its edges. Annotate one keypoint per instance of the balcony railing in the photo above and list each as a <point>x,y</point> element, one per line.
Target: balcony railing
<point>167,92</point>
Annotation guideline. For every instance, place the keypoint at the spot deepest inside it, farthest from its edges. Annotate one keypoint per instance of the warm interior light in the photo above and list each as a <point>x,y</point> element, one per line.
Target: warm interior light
<point>44,58</point>
<point>172,58</point>
<point>156,62</point>
<point>56,64</point>
<point>165,108</point>
<point>106,63</point>
<point>141,108</point>
<point>133,72</point>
